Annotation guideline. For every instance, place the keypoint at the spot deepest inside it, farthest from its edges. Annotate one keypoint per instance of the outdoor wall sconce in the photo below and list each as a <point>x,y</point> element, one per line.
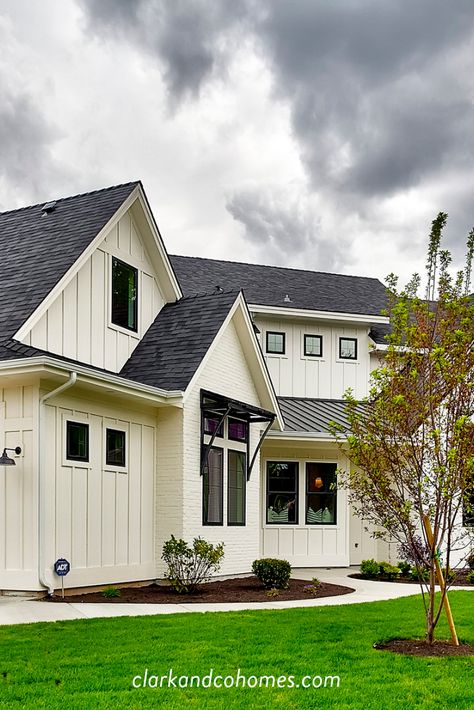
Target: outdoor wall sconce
<point>5,460</point>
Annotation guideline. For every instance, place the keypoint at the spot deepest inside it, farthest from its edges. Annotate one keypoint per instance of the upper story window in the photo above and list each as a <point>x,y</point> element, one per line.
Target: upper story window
<point>124,295</point>
<point>313,345</point>
<point>77,441</point>
<point>115,454</point>
<point>348,348</point>
<point>275,343</point>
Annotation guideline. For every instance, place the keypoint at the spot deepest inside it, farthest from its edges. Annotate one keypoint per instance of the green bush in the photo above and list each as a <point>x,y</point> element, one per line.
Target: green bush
<point>449,575</point>
<point>190,565</point>
<point>470,577</point>
<point>422,576</point>
<point>110,592</point>
<point>369,569</point>
<point>388,571</point>
<point>405,568</point>
<point>470,560</point>
<point>273,574</point>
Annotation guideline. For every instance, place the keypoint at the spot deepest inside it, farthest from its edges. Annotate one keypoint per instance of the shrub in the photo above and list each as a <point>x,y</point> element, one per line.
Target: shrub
<point>271,593</point>
<point>449,575</point>
<point>416,553</point>
<point>190,565</point>
<point>369,569</point>
<point>313,588</point>
<point>110,592</point>
<point>421,575</point>
<point>470,577</point>
<point>273,574</point>
<point>388,571</point>
<point>470,560</point>
<point>405,568</point>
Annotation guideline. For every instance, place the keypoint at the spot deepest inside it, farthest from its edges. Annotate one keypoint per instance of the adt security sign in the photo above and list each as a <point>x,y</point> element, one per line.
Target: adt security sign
<point>62,567</point>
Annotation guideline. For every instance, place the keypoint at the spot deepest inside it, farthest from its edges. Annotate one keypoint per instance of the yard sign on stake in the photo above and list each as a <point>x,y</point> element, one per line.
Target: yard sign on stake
<point>62,567</point>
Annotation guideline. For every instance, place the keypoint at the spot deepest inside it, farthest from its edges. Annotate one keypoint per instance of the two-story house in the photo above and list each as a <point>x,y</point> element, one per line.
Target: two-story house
<point>143,395</point>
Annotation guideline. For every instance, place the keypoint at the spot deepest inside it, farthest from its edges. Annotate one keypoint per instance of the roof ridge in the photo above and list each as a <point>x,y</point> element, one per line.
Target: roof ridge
<point>282,268</point>
<point>73,197</point>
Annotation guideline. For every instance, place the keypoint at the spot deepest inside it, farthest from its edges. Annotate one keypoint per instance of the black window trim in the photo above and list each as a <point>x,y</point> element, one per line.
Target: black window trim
<point>206,468</point>
<point>244,523</point>
<point>308,493</point>
<point>313,335</point>
<point>297,493</point>
<point>233,438</point>
<point>70,457</point>
<point>345,357</point>
<point>135,269</point>
<point>112,465</point>
<point>275,352</point>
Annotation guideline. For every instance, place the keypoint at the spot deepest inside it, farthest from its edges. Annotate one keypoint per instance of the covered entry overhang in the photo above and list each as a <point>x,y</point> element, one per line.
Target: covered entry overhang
<point>221,407</point>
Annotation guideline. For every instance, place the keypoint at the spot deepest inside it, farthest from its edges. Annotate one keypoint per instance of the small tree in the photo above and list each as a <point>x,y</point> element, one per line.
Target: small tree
<point>411,443</point>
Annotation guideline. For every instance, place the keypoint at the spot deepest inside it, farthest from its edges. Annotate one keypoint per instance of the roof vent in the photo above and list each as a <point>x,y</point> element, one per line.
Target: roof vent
<point>287,299</point>
<point>219,289</point>
<point>48,207</point>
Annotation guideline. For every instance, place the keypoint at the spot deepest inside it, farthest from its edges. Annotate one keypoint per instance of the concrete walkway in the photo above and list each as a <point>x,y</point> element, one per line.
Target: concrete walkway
<point>15,610</point>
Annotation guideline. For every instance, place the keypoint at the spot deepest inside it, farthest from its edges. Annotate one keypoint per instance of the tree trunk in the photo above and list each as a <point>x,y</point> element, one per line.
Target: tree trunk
<point>431,606</point>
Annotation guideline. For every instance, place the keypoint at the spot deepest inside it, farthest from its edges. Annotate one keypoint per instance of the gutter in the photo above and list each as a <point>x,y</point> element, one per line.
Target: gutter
<point>43,574</point>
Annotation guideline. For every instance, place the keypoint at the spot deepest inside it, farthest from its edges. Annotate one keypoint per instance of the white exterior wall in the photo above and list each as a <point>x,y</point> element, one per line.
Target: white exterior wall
<point>226,373</point>
<point>77,325</point>
<point>98,518</point>
<point>327,377</point>
<point>18,489</point>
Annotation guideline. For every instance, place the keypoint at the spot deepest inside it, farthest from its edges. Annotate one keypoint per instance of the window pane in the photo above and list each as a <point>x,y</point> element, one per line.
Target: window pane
<point>124,295</point>
<point>321,493</point>
<point>210,426</point>
<point>313,345</point>
<point>348,348</point>
<point>282,492</point>
<point>238,430</point>
<point>115,447</point>
<point>236,488</point>
<point>77,441</point>
<point>213,488</point>
<point>276,343</point>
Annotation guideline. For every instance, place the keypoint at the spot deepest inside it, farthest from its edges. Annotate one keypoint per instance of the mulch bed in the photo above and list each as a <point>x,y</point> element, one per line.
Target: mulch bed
<point>247,589</point>
<point>420,647</point>
<point>460,581</point>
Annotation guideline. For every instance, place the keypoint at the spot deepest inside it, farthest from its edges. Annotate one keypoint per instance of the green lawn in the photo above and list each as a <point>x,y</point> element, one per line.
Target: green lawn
<point>90,664</point>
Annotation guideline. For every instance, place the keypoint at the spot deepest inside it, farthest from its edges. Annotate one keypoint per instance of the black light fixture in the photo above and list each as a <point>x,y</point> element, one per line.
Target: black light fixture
<point>5,460</point>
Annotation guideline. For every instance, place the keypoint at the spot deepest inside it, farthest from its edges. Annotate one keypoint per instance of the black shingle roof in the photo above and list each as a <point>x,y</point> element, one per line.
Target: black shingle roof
<point>302,414</point>
<point>38,249</point>
<point>378,333</point>
<point>175,344</point>
<point>268,285</point>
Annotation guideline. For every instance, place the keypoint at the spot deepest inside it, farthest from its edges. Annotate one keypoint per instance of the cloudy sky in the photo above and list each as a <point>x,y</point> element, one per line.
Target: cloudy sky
<point>306,133</point>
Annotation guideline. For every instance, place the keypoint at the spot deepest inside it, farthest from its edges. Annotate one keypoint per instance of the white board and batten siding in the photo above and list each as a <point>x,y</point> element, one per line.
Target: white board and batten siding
<point>295,374</point>
<point>226,373</point>
<point>77,324</point>
<point>100,517</point>
<point>18,489</point>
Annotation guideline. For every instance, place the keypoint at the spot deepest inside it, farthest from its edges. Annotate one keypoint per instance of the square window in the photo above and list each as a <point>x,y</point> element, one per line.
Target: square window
<point>313,345</point>
<point>211,425</point>
<point>77,441</point>
<point>124,295</point>
<point>115,447</point>
<point>238,430</point>
<point>275,343</point>
<point>348,348</point>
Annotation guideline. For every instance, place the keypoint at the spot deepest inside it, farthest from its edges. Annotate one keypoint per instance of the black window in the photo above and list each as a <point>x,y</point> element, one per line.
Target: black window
<point>321,494</point>
<point>275,343</point>
<point>348,348</point>
<point>211,425</point>
<point>282,492</point>
<point>238,430</point>
<point>77,441</point>
<point>236,478</point>
<point>213,475</point>
<point>313,345</point>
<point>468,511</point>
<point>124,295</point>
<point>115,447</point>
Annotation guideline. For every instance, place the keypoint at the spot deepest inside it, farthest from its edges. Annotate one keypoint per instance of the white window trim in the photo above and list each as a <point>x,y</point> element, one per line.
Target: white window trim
<point>313,358</point>
<point>116,427</point>
<point>282,356</point>
<point>137,335</point>
<point>79,420</point>
<point>348,359</point>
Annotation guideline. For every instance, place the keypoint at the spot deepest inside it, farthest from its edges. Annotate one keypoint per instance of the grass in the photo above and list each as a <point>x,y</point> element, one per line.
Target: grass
<point>91,663</point>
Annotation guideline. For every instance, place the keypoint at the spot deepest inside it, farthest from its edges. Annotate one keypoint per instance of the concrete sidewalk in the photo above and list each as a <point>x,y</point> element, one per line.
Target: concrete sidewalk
<point>14,610</point>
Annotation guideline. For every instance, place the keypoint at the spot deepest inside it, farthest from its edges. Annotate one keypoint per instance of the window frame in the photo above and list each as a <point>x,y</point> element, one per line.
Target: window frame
<point>275,352</point>
<point>275,523</point>
<point>312,335</point>
<point>346,357</point>
<point>233,438</point>
<point>206,470</point>
<point>244,488</point>
<point>124,329</point>
<point>75,461</point>
<point>308,493</point>
<point>115,466</point>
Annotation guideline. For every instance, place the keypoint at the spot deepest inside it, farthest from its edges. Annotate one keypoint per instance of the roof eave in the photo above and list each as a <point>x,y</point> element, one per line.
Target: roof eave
<point>365,319</point>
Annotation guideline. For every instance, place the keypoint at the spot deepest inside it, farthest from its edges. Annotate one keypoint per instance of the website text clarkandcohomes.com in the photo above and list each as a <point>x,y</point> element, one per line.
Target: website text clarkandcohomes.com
<point>237,679</point>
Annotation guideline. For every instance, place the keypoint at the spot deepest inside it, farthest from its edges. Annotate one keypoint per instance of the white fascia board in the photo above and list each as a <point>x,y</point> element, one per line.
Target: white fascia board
<point>319,315</point>
<point>87,376</point>
<point>72,271</point>
<point>240,303</point>
<point>318,436</point>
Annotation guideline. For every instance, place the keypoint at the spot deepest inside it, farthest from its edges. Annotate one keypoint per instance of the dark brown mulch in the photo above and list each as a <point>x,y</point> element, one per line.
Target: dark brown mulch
<point>420,647</point>
<point>460,581</point>
<point>246,589</point>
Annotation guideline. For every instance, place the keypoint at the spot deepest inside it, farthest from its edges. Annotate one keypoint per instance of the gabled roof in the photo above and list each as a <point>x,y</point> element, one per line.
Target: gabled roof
<point>39,247</point>
<point>175,344</point>
<point>303,414</point>
<point>269,285</point>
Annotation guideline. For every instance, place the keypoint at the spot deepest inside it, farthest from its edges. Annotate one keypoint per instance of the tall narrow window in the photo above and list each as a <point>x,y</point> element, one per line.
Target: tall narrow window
<point>236,488</point>
<point>282,492</point>
<point>77,441</point>
<point>212,513</point>
<point>124,295</point>
<point>321,494</point>
<point>115,447</point>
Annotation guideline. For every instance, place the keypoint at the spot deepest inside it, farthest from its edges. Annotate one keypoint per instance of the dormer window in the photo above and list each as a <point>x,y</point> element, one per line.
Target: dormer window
<point>124,295</point>
<point>348,348</point>
<point>275,343</point>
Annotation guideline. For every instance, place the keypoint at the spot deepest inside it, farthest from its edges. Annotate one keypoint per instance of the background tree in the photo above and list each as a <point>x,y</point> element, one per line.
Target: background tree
<point>411,443</point>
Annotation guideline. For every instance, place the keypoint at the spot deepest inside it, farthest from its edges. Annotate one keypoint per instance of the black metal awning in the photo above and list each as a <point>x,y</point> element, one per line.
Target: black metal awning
<point>220,406</point>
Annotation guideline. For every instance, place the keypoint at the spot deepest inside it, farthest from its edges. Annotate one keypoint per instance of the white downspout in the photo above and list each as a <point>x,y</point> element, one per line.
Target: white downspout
<point>42,572</point>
